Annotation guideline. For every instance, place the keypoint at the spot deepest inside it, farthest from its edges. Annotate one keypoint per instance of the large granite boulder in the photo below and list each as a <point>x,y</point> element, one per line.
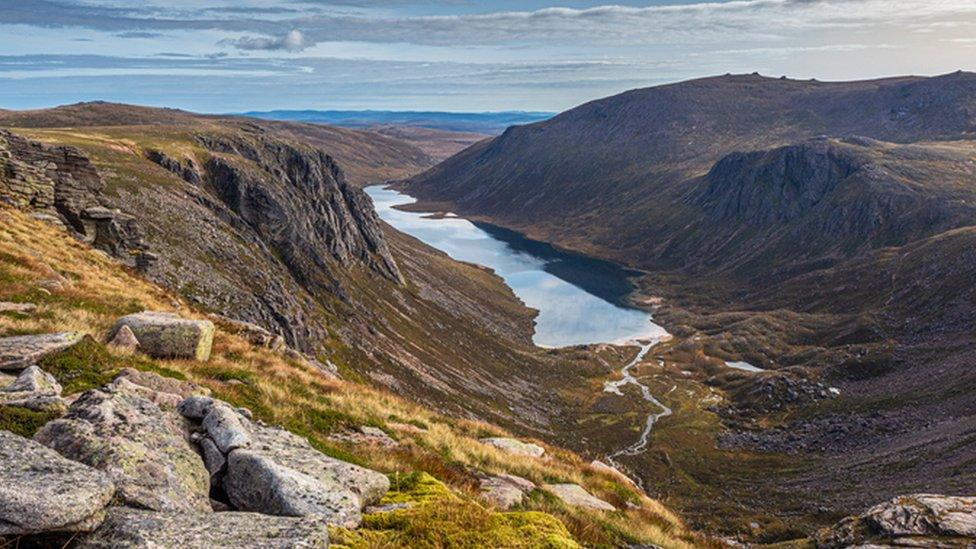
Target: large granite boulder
<point>515,447</point>
<point>135,435</point>
<point>167,335</point>
<point>576,496</point>
<point>919,520</point>
<point>40,491</point>
<point>34,389</point>
<point>124,528</point>
<point>270,470</point>
<point>19,352</point>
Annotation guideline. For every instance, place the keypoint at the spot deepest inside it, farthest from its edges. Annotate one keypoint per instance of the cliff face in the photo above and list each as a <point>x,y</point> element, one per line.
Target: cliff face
<point>62,184</point>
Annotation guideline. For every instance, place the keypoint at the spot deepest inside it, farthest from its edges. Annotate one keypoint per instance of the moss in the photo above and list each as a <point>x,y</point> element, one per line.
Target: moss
<point>22,421</point>
<point>89,365</point>
<point>438,518</point>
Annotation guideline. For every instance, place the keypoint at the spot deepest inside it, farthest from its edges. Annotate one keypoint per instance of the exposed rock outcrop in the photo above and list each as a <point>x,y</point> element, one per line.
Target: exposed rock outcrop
<point>576,496</point>
<point>60,182</point>
<point>40,491</point>
<point>167,335</point>
<point>515,447</point>
<point>34,389</point>
<point>919,520</point>
<point>134,434</point>
<point>269,470</point>
<point>132,528</point>
<point>19,352</point>
<point>504,491</point>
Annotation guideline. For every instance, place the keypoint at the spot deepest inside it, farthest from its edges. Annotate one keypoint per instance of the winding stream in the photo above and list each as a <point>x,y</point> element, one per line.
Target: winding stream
<point>580,300</point>
<point>628,379</point>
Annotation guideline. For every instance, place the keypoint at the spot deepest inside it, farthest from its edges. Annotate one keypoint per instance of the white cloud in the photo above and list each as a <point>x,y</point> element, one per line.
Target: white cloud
<point>293,41</point>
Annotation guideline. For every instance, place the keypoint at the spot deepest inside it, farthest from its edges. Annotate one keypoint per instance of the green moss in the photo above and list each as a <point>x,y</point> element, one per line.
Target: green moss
<point>89,365</point>
<point>22,421</point>
<point>438,518</point>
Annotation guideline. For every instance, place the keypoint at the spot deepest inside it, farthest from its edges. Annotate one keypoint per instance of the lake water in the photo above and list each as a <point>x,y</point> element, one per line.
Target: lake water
<point>580,300</point>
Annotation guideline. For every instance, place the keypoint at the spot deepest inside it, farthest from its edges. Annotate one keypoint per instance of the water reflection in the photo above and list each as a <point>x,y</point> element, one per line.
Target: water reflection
<point>580,300</point>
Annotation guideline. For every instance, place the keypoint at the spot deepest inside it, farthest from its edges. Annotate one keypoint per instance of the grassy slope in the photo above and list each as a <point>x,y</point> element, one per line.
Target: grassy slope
<point>280,391</point>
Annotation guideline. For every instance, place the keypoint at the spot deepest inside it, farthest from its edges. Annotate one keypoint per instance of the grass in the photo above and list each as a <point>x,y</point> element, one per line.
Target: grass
<point>432,466</point>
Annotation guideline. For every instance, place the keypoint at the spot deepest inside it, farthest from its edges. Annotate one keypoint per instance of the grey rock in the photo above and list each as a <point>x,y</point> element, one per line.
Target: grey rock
<point>134,435</point>
<point>196,407</point>
<point>162,384</point>
<point>38,403</point>
<point>505,491</point>
<point>124,340</point>
<point>167,335</point>
<point>257,483</point>
<point>132,528</point>
<point>40,491</point>
<point>925,520</point>
<point>213,459</point>
<point>515,447</point>
<point>22,308</point>
<point>280,473</point>
<point>19,352</point>
<point>576,496</point>
<point>225,427</point>
<point>34,380</point>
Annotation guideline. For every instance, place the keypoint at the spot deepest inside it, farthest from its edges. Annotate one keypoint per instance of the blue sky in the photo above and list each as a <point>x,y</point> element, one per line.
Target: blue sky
<point>456,55</point>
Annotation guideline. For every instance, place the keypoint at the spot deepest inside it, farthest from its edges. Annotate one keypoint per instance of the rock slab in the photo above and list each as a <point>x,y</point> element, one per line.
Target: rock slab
<point>40,491</point>
<point>167,335</point>
<point>132,528</point>
<point>515,447</point>
<point>505,491</point>
<point>134,434</point>
<point>19,352</point>
<point>918,520</point>
<point>576,496</point>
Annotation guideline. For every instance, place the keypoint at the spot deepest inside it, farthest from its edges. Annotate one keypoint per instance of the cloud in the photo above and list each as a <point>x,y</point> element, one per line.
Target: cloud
<point>293,41</point>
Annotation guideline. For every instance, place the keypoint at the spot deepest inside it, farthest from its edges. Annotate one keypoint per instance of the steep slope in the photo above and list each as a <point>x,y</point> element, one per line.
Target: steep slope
<point>366,157</point>
<point>820,231</point>
<point>258,223</point>
<point>435,463</point>
<point>601,176</point>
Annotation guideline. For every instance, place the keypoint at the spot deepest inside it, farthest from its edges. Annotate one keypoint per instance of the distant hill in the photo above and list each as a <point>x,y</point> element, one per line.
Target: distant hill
<point>489,123</point>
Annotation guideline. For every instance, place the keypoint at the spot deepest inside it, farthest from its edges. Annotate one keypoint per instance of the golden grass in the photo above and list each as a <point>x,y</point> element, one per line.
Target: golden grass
<point>77,288</point>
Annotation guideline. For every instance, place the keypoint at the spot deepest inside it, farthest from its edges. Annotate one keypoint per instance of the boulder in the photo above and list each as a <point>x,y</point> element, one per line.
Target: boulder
<point>505,491</point>
<point>40,491</point>
<point>195,407</point>
<point>603,467</point>
<point>254,482</point>
<point>919,520</point>
<point>36,390</point>
<point>19,352</point>
<point>131,528</point>
<point>21,308</point>
<point>576,496</point>
<point>34,380</point>
<point>124,340</point>
<point>515,447</point>
<point>134,435</point>
<point>167,335</point>
<point>226,428</point>
<point>280,473</point>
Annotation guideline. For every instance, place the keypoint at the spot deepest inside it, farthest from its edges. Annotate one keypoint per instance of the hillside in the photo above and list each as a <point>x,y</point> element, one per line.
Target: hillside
<point>603,177</point>
<point>817,230</point>
<point>366,157</point>
<point>434,465</point>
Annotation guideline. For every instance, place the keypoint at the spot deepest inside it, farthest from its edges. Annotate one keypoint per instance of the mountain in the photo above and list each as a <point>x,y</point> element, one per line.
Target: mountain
<point>366,157</point>
<point>490,123</point>
<point>818,230</point>
<point>603,177</point>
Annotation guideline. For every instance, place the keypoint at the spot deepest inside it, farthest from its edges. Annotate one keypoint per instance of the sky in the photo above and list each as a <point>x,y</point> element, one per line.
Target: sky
<point>451,55</point>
